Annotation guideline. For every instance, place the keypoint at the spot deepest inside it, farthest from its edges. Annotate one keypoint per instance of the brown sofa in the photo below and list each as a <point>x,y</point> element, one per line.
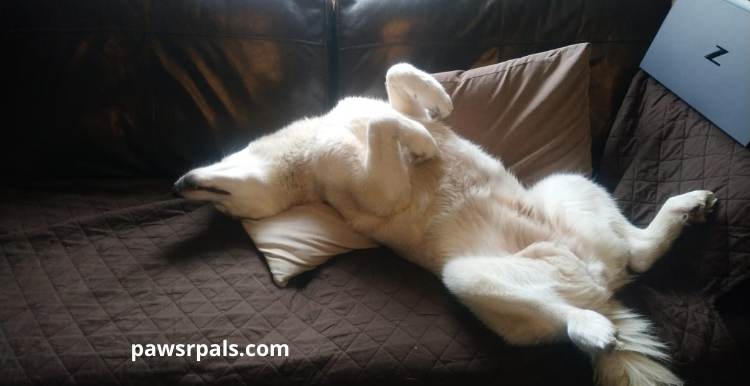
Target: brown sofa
<point>108,101</point>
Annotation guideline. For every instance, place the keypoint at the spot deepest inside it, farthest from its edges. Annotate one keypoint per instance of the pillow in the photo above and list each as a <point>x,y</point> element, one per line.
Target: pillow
<point>302,238</point>
<point>532,112</point>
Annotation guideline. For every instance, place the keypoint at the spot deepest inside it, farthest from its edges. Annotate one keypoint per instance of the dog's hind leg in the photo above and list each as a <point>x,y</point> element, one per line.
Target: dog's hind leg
<point>519,298</point>
<point>416,93</point>
<point>618,242</point>
<point>648,244</point>
<point>384,186</point>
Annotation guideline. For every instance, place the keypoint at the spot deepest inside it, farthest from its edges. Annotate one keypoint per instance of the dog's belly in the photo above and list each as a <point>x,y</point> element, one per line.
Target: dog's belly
<point>455,208</point>
<point>404,232</point>
<point>445,223</point>
<point>494,225</point>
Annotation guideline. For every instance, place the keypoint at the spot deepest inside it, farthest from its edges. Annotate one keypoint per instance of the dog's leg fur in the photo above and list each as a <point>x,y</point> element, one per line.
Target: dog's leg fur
<point>416,93</point>
<point>508,295</point>
<point>599,219</point>
<point>384,185</point>
<point>518,297</point>
<point>650,243</point>
<point>637,355</point>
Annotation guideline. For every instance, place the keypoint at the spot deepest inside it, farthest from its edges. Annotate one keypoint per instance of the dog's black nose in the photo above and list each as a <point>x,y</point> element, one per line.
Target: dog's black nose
<point>184,183</point>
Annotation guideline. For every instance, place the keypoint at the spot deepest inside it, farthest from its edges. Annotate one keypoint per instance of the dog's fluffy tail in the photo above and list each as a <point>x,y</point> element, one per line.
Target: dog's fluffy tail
<point>638,358</point>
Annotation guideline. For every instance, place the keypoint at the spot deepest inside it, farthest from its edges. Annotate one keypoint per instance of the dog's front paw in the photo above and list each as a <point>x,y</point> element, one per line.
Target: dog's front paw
<point>418,140</point>
<point>435,100</point>
<point>421,145</point>
<point>591,331</point>
<point>423,88</point>
<point>693,207</point>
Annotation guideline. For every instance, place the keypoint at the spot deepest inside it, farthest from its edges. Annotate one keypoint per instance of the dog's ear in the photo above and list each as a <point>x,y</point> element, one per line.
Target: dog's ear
<point>416,93</point>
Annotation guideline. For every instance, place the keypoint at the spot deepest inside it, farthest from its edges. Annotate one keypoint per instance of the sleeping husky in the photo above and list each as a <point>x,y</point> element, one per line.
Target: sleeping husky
<point>535,264</point>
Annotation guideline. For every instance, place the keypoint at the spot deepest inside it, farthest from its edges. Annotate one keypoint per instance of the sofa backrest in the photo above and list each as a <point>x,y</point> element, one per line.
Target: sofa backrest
<point>139,87</point>
<point>442,35</point>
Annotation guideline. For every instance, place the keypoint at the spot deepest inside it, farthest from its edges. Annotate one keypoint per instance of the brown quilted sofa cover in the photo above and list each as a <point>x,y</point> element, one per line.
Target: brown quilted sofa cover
<point>697,294</point>
<point>84,275</point>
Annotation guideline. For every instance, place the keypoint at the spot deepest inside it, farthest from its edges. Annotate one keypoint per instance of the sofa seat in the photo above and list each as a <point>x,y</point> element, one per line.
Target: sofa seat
<point>89,267</point>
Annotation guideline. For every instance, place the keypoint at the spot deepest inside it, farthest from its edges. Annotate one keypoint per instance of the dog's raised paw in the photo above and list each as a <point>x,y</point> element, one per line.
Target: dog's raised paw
<point>421,145</point>
<point>418,141</point>
<point>421,87</point>
<point>695,206</point>
<point>591,331</point>
<point>437,102</point>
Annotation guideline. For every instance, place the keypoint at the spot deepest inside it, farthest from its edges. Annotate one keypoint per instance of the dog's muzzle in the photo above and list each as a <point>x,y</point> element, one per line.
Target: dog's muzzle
<point>189,183</point>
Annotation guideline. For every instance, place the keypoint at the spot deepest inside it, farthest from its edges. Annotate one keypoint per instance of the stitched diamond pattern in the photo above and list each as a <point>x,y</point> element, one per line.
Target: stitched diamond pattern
<point>78,287</point>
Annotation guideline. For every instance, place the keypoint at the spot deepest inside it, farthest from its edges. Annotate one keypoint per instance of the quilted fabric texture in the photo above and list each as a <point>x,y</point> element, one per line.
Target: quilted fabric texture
<point>102,269</point>
<point>89,267</point>
<point>29,205</point>
<point>697,294</point>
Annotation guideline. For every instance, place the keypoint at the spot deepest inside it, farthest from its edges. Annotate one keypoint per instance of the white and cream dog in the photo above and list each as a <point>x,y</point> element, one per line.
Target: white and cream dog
<point>535,264</point>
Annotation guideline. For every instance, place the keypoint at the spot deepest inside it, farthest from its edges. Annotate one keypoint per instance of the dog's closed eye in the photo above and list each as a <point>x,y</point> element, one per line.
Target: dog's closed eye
<point>189,183</point>
<point>211,189</point>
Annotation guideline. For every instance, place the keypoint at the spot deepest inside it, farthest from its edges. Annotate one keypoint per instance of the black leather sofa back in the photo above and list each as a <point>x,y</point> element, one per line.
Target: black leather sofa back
<point>152,88</point>
<point>123,87</point>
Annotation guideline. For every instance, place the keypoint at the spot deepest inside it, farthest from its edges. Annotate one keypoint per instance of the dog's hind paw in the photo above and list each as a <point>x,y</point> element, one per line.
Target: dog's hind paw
<point>693,207</point>
<point>591,331</point>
